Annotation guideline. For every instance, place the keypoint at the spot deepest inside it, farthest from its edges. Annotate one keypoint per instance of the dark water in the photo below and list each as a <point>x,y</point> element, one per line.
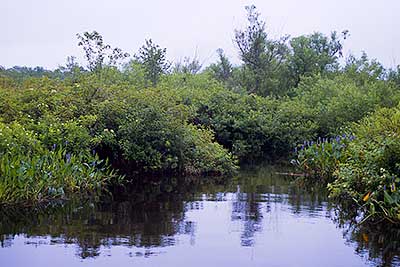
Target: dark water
<point>256,219</point>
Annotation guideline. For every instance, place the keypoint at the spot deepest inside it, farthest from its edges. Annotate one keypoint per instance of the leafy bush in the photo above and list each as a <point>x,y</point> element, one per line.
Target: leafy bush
<point>32,173</point>
<point>365,169</point>
<point>202,155</point>
<point>254,127</point>
<point>147,130</point>
<point>319,160</point>
<point>335,102</point>
<point>150,130</point>
<point>370,173</point>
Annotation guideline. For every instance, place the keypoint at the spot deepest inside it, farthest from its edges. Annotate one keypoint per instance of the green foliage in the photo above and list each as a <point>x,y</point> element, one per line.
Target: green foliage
<point>30,172</point>
<point>253,127</point>
<point>314,54</point>
<point>97,52</point>
<point>146,130</point>
<point>49,175</point>
<point>205,156</point>
<point>262,57</point>
<point>135,74</point>
<point>365,169</point>
<point>153,59</point>
<point>150,130</point>
<point>370,175</point>
<point>319,160</point>
<point>335,102</point>
<point>61,127</point>
<point>238,121</point>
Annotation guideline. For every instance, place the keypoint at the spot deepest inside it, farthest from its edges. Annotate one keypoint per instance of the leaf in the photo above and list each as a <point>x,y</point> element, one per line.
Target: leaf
<point>388,198</point>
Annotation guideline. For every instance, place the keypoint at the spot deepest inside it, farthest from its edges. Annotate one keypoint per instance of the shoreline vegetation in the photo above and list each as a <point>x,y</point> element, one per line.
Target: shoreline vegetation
<point>78,129</point>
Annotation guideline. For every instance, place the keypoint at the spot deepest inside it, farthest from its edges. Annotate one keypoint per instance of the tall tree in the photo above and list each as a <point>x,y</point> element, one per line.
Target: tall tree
<point>188,66</point>
<point>99,54</point>
<point>315,54</point>
<point>362,69</point>
<point>222,70</point>
<point>154,60</point>
<point>262,56</point>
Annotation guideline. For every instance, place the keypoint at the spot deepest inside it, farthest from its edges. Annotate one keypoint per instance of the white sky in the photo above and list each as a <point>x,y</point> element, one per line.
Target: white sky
<point>43,32</point>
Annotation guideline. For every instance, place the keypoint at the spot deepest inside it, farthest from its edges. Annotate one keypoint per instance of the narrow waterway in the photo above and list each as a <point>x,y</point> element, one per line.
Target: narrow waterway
<point>255,219</point>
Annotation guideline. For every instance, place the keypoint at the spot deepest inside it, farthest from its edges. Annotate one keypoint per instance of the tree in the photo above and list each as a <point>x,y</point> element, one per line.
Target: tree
<point>71,64</point>
<point>363,70</point>
<point>22,73</point>
<point>262,57</point>
<point>222,70</point>
<point>70,70</point>
<point>97,52</point>
<point>315,54</point>
<point>188,66</point>
<point>153,58</point>
<point>394,75</point>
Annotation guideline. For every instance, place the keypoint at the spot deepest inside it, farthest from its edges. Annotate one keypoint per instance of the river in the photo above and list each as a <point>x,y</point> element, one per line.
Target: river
<point>255,219</point>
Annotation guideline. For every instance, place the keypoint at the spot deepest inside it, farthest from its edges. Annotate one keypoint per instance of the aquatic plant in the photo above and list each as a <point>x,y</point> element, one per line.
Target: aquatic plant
<point>363,169</point>
<point>319,159</point>
<point>31,173</point>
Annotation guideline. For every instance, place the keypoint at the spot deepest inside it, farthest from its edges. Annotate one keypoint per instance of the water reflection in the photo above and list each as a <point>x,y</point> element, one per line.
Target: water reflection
<point>377,242</point>
<point>209,223</point>
<point>91,226</point>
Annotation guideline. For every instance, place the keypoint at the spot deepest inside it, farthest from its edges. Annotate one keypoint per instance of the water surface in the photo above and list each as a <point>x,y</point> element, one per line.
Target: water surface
<point>255,219</point>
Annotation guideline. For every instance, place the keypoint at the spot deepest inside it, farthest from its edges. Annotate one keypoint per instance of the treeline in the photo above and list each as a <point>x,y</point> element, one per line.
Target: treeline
<point>64,130</point>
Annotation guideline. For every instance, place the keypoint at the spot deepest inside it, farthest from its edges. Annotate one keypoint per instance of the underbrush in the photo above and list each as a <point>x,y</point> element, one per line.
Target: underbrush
<point>364,169</point>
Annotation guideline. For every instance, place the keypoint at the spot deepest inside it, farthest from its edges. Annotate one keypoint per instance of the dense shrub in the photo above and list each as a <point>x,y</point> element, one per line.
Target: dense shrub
<point>254,127</point>
<point>335,102</point>
<point>319,160</point>
<point>150,130</point>
<point>30,172</point>
<point>191,123</point>
<point>147,130</point>
<point>370,173</point>
<point>364,168</point>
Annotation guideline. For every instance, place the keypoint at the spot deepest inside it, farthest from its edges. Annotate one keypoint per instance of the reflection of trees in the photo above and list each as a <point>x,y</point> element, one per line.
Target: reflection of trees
<point>263,188</point>
<point>153,216</point>
<point>303,202</point>
<point>128,223</point>
<point>246,208</point>
<point>146,215</point>
<point>379,241</point>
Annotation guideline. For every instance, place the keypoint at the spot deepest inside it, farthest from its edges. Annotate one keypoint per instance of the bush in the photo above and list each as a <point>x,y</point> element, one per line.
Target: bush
<point>320,159</point>
<point>364,169</point>
<point>150,130</point>
<point>370,173</point>
<point>31,173</point>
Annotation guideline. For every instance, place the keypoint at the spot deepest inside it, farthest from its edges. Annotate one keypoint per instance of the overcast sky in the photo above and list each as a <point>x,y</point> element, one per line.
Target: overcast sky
<point>43,32</point>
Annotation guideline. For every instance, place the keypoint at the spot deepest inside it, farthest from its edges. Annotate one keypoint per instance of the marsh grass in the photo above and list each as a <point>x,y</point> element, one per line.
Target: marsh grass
<point>53,174</point>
